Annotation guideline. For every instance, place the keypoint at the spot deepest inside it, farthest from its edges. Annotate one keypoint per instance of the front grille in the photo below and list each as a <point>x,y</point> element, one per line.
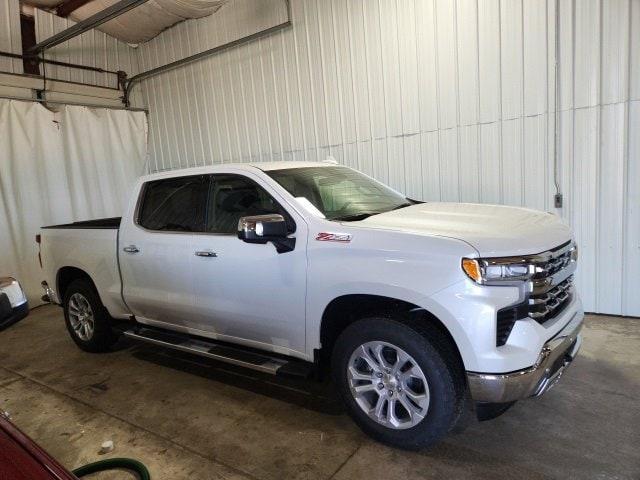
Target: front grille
<point>544,299</point>
<point>557,262</point>
<point>547,305</point>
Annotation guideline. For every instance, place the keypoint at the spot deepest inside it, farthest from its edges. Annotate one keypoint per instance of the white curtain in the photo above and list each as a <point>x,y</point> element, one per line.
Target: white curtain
<point>57,167</point>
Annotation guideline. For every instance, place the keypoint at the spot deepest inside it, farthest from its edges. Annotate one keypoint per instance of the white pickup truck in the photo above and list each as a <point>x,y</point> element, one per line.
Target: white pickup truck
<point>417,309</point>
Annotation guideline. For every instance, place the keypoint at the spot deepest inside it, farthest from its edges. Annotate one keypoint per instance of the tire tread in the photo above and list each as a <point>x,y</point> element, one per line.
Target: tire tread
<point>446,380</point>
<point>103,336</point>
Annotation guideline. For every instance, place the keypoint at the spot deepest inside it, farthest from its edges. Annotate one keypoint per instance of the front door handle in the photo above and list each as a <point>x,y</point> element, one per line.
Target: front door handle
<point>206,254</point>
<point>131,249</point>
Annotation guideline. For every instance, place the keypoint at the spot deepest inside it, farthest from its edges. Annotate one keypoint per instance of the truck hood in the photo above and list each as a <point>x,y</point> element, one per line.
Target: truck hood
<point>493,230</point>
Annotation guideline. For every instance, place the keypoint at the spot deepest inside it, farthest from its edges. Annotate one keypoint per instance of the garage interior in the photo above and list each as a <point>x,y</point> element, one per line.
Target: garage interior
<point>516,102</point>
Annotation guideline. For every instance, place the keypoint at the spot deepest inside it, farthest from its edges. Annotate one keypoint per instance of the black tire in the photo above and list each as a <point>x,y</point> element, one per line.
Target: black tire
<point>435,357</point>
<point>103,336</point>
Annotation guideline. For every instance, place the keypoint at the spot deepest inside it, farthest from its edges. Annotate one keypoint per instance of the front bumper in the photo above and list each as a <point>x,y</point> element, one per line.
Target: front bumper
<point>555,356</point>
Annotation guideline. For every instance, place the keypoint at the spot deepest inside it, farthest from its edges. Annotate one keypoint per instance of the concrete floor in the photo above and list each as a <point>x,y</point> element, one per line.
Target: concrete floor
<point>187,419</point>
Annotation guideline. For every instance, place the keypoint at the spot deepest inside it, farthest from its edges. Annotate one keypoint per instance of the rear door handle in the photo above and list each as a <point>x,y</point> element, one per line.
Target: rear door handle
<point>206,254</point>
<point>131,249</point>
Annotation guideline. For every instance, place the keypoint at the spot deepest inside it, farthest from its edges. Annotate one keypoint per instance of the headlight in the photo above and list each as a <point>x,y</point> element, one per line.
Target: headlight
<point>487,272</point>
<point>516,269</point>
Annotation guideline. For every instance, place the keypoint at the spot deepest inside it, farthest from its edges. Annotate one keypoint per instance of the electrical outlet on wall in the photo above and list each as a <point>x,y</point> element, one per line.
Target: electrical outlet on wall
<point>557,200</point>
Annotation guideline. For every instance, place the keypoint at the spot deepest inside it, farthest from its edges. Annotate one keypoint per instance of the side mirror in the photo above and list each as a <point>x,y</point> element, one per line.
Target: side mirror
<point>264,229</point>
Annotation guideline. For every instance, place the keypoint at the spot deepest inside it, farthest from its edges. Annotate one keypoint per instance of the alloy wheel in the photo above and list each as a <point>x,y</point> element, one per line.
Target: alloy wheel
<point>388,385</point>
<point>81,316</point>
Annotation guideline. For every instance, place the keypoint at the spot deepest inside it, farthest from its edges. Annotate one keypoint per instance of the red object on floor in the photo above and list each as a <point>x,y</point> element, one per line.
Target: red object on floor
<point>22,459</point>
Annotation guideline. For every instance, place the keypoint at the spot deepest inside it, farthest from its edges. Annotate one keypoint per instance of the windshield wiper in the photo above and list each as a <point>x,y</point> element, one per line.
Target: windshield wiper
<point>402,205</point>
<point>354,217</point>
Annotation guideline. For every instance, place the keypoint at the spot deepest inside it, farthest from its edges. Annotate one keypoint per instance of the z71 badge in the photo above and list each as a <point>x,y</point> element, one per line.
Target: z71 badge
<point>333,237</point>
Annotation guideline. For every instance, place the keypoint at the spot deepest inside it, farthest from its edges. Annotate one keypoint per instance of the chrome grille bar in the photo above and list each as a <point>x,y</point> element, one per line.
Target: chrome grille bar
<point>551,287</point>
<point>553,271</point>
<point>547,305</point>
<point>548,287</point>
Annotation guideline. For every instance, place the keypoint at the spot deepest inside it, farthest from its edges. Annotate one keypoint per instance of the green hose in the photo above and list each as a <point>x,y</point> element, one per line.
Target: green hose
<point>114,464</point>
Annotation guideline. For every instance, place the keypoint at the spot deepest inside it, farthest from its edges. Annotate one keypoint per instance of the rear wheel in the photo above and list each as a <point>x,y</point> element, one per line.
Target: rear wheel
<point>87,320</point>
<point>398,383</point>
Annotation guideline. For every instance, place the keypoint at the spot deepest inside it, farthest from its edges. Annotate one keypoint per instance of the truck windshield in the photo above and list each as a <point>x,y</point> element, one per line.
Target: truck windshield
<point>339,193</point>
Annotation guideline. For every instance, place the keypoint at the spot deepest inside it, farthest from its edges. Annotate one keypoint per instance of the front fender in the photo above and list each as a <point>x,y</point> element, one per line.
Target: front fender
<point>411,268</point>
<point>427,303</point>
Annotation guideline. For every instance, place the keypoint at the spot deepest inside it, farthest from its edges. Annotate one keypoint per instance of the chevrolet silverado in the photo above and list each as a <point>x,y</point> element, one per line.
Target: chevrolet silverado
<point>416,309</point>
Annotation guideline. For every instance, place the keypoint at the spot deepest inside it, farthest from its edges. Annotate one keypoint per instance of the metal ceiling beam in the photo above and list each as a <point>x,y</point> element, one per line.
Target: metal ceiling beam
<point>70,6</point>
<point>56,62</point>
<point>93,21</point>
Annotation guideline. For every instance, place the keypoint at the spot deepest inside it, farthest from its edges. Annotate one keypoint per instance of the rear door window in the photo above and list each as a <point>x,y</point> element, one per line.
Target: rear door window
<point>175,204</point>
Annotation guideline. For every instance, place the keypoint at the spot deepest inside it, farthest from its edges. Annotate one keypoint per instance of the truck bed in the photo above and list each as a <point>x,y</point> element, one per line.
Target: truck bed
<point>90,246</point>
<point>100,223</point>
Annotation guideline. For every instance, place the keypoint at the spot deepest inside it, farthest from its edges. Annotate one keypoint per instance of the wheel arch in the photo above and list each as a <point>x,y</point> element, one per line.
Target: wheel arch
<point>68,274</point>
<point>342,311</point>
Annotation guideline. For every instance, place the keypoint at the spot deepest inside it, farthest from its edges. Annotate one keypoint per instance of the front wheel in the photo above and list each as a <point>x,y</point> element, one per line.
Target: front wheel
<point>87,320</point>
<point>399,384</point>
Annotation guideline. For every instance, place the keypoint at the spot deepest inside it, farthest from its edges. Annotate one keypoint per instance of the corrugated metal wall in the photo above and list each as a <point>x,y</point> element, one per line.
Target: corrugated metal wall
<point>444,100</point>
<point>92,48</point>
<point>206,112</point>
<point>10,38</point>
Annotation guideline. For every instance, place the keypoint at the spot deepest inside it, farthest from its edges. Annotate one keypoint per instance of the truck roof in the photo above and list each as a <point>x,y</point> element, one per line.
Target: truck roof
<point>264,166</point>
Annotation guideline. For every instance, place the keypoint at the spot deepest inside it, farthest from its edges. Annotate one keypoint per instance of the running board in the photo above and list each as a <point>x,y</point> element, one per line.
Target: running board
<point>223,353</point>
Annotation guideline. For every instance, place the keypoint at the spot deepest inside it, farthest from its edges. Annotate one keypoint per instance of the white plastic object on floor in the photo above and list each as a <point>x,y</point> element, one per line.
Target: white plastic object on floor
<point>107,447</point>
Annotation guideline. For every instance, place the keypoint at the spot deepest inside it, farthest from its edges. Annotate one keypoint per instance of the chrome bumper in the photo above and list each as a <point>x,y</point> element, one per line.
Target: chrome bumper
<point>556,355</point>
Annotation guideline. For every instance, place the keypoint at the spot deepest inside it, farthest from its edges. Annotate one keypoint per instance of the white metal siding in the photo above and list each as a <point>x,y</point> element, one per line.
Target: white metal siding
<point>445,100</point>
<point>10,37</point>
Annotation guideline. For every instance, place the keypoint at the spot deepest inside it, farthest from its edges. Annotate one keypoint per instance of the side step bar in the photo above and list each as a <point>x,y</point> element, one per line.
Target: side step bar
<point>211,349</point>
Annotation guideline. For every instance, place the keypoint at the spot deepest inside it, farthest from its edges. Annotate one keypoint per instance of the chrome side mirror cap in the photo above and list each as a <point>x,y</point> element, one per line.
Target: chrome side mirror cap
<point>264,229</point>
<point>261,228</point>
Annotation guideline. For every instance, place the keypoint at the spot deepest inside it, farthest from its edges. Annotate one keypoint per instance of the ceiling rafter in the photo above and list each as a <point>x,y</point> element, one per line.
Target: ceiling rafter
<point>69,6</point>
<point>93,21</point>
